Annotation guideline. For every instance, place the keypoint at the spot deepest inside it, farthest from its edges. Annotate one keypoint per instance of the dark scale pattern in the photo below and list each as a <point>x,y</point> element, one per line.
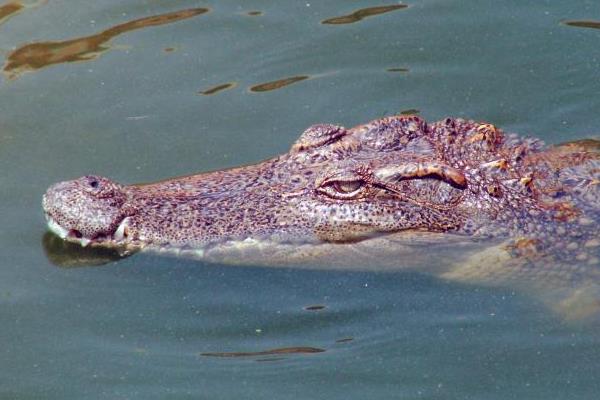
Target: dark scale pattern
<point>344,185</point>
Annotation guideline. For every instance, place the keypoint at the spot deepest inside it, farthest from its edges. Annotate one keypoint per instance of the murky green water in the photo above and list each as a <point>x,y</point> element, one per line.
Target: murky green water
<point>193,91</point>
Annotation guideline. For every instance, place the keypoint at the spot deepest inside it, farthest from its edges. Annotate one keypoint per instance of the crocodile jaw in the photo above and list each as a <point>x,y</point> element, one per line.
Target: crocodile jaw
<point>74,236</point>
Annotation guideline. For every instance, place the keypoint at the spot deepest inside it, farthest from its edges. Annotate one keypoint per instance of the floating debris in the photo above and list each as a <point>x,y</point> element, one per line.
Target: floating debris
<point>283,350</point>
<point>583,24</point>
<point>219,88</point>
<point>254,13</point>
<point>362,14</point>
<point>278,84</point>
<point>34,56</point>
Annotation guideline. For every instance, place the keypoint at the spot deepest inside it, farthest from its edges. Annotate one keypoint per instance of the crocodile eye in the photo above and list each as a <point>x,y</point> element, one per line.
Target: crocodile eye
<point>347,187</point>
<point>342,190</point>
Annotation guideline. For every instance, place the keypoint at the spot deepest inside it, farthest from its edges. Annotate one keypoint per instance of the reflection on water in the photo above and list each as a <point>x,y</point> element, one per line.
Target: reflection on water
<point>362,14</point>
<point>283,350</point>
<point>13,8</point>
<point>261,87</point>
<point>9,9</point>
<point>584,24</point>
<point>254,13</point>
<point>410,111</point>
<point>397,70</point>
<point>65,254</point>
<point>316,307</point>
<point>582,145</point>
<point>219,88</point>
<point>278,84</point>
<point>34,56</point>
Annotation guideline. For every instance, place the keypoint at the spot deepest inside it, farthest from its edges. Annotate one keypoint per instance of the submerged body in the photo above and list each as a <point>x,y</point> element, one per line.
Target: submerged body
<point>380,193</point>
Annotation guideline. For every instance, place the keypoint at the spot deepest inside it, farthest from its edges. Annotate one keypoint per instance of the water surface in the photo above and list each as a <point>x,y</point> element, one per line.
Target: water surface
<point>142,327</point>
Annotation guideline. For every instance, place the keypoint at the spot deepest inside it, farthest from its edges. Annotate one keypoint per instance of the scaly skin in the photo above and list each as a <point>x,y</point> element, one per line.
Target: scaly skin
<point>370,187</point>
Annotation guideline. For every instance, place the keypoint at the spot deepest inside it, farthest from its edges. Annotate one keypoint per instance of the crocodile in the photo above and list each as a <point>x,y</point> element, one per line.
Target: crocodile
<point>459,198</point>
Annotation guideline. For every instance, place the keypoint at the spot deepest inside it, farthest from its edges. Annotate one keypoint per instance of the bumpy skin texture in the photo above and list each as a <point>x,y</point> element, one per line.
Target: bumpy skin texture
<point>345,185</point>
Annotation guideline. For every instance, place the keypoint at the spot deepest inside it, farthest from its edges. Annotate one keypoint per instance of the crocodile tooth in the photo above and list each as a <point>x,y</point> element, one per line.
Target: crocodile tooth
<point>121,232</point>
<point>56,228</point>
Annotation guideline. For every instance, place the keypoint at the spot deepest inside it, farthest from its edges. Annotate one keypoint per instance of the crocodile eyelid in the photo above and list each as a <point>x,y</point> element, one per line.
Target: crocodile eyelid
<point>417,170</point>
<point>317,136</point>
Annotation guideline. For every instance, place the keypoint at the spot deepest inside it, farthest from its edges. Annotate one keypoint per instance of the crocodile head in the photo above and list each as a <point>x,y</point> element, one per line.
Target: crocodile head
<point>88,209</point>
<point>333,185</point>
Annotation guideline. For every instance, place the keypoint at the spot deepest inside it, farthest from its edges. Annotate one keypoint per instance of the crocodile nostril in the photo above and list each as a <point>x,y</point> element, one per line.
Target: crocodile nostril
<point>75,233</point>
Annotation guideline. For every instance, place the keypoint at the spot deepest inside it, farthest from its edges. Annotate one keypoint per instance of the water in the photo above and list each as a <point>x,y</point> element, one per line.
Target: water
<point>137,328</point>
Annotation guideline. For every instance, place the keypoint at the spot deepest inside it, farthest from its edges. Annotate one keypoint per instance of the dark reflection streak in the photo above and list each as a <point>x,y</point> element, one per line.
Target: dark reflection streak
<point>283,350</point>
<point>12,8</point>
<point>397,70</point>
<point>410,111</point>
<point>9,9</point>
<point>361,14</point>
<point>34,56</point>
<point>265,87</point>
<point>583,24</point>
<point>64,254</point>
<point>315,307</point>
<point>218,88</point>
<point>254,13</point>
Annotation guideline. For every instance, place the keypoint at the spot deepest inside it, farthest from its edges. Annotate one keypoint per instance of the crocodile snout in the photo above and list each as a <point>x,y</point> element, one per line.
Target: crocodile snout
<point>85,209</point>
